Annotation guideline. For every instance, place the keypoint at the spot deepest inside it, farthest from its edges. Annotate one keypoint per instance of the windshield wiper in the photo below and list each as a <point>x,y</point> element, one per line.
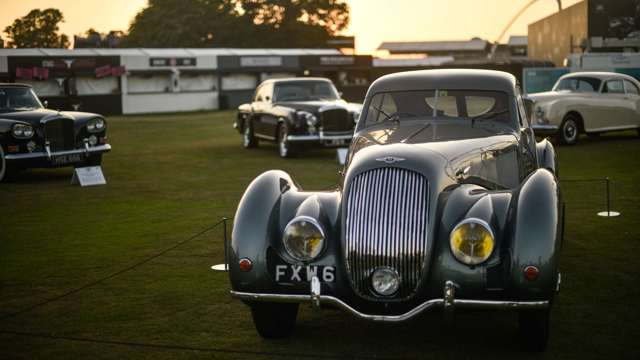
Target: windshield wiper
<point>488,115</point>
<point>422,128</point>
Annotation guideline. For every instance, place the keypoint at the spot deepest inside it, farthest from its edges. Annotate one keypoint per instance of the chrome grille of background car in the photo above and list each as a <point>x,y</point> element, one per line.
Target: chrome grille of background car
<point>386,225</point>
<point>336,119</point>
<point>60,134</point>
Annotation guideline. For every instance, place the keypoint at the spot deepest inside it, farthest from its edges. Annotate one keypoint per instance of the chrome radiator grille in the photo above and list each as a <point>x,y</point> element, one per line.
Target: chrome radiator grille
<point>336,119</point>
<point>386,226</point>
<point>60,134</point>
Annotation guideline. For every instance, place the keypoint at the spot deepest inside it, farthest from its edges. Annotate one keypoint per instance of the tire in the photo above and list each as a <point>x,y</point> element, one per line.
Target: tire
<point>534,329</point>
<point>274,320</point>
<point>569,130</point>
<point>6,171</point>
<point>248,139</point>
<point>285,148</point>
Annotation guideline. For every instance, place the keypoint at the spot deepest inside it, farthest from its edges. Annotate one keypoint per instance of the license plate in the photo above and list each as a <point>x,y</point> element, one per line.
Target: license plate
<point>304,273</point>
<point>66,159</point>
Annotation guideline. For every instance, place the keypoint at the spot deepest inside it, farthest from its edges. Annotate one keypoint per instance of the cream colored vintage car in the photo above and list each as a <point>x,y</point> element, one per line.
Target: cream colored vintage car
<point>589,103</point>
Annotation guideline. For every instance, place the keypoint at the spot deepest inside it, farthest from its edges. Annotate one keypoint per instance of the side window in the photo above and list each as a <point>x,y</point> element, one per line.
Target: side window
<point>631,87</point>
<point>613,87</point>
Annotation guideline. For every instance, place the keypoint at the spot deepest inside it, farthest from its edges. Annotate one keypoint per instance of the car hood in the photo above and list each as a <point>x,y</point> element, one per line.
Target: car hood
<point>445,160</point>
<point>35,117</point>
<point>315,106</point>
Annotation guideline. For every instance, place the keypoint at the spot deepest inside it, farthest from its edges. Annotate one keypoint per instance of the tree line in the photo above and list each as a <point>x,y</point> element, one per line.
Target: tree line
<point>200,24</point>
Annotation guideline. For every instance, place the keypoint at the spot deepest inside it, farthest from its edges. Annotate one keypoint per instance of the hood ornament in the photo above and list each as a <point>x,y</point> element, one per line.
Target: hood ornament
<point>390,159</point>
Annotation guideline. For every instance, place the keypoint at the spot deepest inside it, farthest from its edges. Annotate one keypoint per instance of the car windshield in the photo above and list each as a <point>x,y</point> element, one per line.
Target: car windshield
<point>18,98</point>
<point>467,107</point>
<point>578,84</point>
<point>304,91</point>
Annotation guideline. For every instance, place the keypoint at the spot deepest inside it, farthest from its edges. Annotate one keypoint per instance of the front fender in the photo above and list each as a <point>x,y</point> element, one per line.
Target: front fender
<point>547,156</point>
<point>537,236</point>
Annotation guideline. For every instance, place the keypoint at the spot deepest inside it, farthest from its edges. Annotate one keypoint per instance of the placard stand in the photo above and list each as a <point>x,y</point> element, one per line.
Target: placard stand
<point>88,176</point>
<point>342,155</point>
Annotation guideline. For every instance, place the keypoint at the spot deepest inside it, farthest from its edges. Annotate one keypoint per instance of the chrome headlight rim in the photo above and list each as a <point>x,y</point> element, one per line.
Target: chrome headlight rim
<point>287,246</point>
<point>22,131</point>
<point>96,125</point>
<point>309,118</point>
<point>465,258</point>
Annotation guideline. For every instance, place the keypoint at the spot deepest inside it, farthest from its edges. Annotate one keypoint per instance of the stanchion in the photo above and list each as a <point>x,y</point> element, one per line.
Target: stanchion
<point>225,266</point>
<point>608,213</point>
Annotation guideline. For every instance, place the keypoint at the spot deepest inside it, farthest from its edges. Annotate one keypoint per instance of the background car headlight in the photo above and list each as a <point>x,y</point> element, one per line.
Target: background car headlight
<point>22,131</point>
<point>472,241</point>
<point>310,119</point>
<point>539,113</point>
<point>385,281</point>
<point>303,238</point>
<point>95,125</point>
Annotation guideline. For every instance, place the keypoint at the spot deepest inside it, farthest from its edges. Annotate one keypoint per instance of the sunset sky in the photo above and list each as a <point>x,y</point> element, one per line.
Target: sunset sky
<point>372,21</point>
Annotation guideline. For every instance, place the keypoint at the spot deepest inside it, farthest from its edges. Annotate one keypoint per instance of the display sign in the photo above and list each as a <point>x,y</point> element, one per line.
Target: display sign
<point>342,155</point>
<point>172,61</point>
<point>88,176</point>
<point>253,61</point>
<point>337,60</point>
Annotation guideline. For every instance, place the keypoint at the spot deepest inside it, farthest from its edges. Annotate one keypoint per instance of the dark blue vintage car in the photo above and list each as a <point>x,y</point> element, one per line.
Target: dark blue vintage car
<point>447,202</point>
<point>32,136</point>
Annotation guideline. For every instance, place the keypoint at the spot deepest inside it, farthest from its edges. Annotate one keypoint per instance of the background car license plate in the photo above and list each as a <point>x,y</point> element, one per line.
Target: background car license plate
<point>66,159</point>
<point>304,273</point>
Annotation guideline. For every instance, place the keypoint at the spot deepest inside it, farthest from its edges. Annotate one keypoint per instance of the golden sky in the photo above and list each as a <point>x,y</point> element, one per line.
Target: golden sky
<point>372,21</point>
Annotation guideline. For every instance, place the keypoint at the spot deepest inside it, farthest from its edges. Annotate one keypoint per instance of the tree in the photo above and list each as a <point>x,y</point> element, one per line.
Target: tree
<point>38,29</point>
<point>238,23</point>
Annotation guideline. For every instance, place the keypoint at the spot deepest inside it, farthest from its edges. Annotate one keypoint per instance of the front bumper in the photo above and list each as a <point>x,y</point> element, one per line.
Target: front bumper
<point>50,155</point>
<point>448,302</point>
<point>545,129</point>
<point>322,137</point>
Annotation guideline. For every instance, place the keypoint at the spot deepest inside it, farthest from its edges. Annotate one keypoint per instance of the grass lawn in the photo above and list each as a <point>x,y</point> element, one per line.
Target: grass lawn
<point>171,176</point>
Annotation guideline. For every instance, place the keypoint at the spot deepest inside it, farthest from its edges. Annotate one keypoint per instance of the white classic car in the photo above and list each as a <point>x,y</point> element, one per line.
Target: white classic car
<point>587,102</point>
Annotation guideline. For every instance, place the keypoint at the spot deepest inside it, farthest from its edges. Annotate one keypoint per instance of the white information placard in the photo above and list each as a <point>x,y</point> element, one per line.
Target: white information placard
<point>342,155</point>
<point>88,176</point>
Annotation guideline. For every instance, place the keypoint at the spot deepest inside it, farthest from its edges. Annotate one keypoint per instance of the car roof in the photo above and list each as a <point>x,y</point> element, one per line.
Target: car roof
<point>452,79</point>
<point>294,79</point>
<point>602,75</point>
<point>14,85</point>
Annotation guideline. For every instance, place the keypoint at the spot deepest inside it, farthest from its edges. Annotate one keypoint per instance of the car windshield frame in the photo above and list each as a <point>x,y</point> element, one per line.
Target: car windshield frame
<point>332,96</point>
<point>506,109</point>
<point>579,79</point>
<point>6,104</point>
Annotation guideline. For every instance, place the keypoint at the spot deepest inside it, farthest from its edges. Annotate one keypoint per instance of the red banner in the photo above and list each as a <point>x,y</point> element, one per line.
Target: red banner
<point>103,71</point>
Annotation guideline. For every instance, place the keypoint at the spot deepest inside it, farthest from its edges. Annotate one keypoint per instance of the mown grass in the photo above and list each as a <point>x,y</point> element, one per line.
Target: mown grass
<point>170,176</point>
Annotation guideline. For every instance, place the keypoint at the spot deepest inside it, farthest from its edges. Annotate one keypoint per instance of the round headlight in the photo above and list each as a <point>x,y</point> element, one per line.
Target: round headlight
<point>303,238</point>
<point>472,241</point>
<point>22,131</point>
<point>310,119</point>
<point>95,125</point>
<point>385,281</point>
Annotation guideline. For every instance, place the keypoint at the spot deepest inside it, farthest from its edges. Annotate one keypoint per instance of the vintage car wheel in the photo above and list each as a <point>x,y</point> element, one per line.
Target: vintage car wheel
<point>534,328</point>
<point>274,320</point>
<point>285,148</point>
<point>5,170</point>
<point>248,140</point>
<point>569,130</point>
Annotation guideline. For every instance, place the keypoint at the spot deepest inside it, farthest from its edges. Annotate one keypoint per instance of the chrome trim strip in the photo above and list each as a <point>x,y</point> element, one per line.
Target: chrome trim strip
<point>613,128</point>
<point>480,304</point>
<point>49,155</point>
<point>544,127</point>
<point>319,137</point>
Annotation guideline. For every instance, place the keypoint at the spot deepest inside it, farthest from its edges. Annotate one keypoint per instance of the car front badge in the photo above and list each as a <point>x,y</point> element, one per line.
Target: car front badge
<point>390,159</point>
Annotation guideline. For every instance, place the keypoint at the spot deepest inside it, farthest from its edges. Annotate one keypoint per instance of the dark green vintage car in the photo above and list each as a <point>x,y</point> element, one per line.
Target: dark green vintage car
<point>446,202</point>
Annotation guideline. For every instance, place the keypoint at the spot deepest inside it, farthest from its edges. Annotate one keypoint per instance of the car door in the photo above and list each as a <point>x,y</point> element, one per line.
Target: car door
<point>262,111</point>
<point>633,97</point>
<point>615,108</point>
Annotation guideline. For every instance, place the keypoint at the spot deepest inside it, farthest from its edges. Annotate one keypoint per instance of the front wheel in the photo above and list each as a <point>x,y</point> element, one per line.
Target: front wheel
<point>248,138</point>
<point>285,149</point>
<point>569,130</point>
<point>5,169</point>
<point>534,328</point>
<point>274,320</point>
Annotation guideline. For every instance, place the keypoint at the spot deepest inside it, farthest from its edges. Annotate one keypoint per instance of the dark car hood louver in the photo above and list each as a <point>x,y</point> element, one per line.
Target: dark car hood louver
<point>386,226</point>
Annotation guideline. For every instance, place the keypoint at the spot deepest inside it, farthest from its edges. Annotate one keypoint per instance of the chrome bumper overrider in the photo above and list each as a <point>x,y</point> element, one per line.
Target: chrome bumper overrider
<point>87,150</point>
<point>448,302</point>
<point>320,136</point>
